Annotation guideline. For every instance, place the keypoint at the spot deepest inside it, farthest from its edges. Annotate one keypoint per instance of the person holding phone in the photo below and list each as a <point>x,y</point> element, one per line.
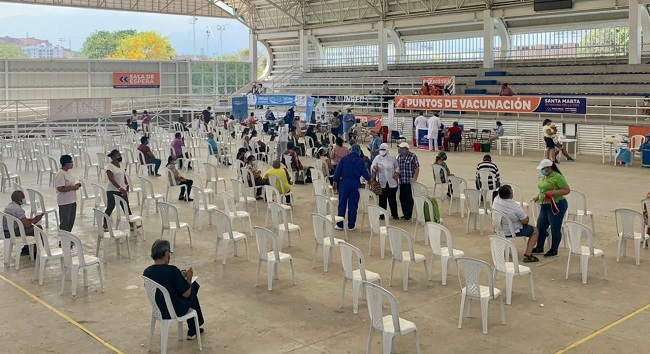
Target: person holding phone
<point>66,194</point>
<point>117,185</point>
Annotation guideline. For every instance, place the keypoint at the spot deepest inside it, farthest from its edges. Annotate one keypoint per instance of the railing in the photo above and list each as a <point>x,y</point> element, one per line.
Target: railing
<point>287,74</point>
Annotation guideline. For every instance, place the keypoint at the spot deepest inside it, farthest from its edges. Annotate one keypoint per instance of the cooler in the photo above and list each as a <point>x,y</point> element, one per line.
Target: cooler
<point>485,147</point>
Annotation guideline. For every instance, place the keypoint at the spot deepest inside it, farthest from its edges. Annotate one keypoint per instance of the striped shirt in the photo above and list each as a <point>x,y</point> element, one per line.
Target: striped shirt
<point>512,211</point>
<point>488,166</point>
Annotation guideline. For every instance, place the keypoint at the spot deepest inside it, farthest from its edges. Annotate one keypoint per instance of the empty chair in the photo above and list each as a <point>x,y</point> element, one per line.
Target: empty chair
<point>273,195</point>
<point>374,215</point>
<point>14,245</point>
<point>152,288</point>
<point>440,179</point>
<point>37,203</point>
<point>474,209</point>
<point>357,276</point>
<point>577,208</point>
<point>458,185</point>
<point>396,237</point>
<point>233,213</point>
<point>367,198</point>
<point>323,237</point>
<point>212,176</point>
<point>325,207</point>
<point>432,232</point>
<point>148,195</point>
<point>129,161</point>
<point>84,195</point>
<point>75,260</point>
<point>279,217</point>
<point>629,226</point>
<point>390,325</point>
<point>6,177</point>
<point>419,202</point>
<point>273,258</point>
<point>41,169</point>
<point>243,194</point>
<point>226,234</point>
<point>45,253</point>
<point>88,164</point>
<point>575,232</point>
<point>201,205</point>
<point>505,259</point>
<point>169,221</point>
<point>53,168</point>
<point>188,159</point>
<point>471,289</point>
<point>322,188</point>
<point>420,189</point>
<point>133,189</point>
<point>135,222</point>
<point>109,233</point>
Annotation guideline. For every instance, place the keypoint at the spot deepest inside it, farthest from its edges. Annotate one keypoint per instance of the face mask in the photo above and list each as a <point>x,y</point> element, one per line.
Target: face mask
<point>400,151</point>
<point>444,158</point>
<point>119,159</point>
<point>23,201</point>
<point>543,172</point>
<point>382,152</point>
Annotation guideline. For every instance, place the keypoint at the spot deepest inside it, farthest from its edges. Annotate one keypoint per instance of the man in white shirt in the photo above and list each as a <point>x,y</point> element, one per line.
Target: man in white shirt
<point>421,122</point>
<point>434,127</point>
<point>283,138</point>
<point>513,211</point>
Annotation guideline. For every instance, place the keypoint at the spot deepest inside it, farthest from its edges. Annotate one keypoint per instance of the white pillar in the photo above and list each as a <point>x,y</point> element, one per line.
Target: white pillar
<point>635,31</point>
<point>502,32</point>
<point>382,64</point>
<point>488,40</point>
<point>304,51</point>
<point>252,50</point>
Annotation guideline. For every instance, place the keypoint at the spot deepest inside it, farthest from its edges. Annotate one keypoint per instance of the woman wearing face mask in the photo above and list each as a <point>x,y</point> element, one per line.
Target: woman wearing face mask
<point>385,170</point>
<point>180,180</point>
<point>66,194</point>
<point>552,189</point>
<point>441,160</point>
<point>117,184</point>
<point>257,177</point>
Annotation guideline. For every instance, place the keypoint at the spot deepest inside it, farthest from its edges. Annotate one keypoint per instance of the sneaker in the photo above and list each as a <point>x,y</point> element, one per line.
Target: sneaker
<point>530,258</point>
<point>336,227</point>
<point>550,253</point>
<point>352,228</point>
<point>193,336</point>
<point>570,159</point>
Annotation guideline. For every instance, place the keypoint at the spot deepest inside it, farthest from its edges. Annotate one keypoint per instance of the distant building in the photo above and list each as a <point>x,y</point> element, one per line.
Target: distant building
<point>43,51</point>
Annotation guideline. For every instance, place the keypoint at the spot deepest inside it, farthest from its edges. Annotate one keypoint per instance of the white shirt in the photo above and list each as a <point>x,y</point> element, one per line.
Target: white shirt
<point>387,167</point>
<point>512,211</point>
<point>421,122</point>
<point>434,126</point>
<point>65,179</point>
<point>118,174</point>
<point>283,134</point>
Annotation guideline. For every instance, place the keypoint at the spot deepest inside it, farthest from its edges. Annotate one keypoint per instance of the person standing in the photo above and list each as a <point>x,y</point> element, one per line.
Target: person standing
<point>117,184</point>
<point>348,121</point>
<point>386,96</point>
<point>421,122</point>
<point>335,124</point>
<point>385,170</point>
<point>182,290</point>
<point>207,116</point>
<point>146,123</point>
<point>66,194</point>
<point>552,189</point>
<point>409,170</point>
<point>346,181</point>
<point>375,145</point>
<point>339,151</point>
<point>434,128</point>
<point>425,90</point>
<point>283,139</point>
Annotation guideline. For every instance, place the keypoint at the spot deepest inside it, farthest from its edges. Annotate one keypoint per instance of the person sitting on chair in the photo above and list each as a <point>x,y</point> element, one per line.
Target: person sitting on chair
<point>296,165</point>
<point>455,135</point>
<point>180,180</point>
<point>182,290</point>
<point>505,203</point>
<point>15,209</point>
<point>283,178</point>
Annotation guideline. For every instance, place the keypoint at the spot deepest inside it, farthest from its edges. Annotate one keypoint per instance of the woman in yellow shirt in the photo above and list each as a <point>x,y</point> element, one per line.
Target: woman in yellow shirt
<point>552,189</point>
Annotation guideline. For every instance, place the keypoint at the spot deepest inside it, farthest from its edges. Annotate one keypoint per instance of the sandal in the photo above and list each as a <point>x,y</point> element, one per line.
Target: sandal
<point>530,258</point>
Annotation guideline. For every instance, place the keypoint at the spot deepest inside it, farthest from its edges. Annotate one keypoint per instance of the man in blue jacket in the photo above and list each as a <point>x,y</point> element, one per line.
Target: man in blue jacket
<point>346,180</point>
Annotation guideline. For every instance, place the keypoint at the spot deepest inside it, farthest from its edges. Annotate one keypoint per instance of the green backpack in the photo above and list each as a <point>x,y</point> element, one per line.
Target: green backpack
<point>436,210</point>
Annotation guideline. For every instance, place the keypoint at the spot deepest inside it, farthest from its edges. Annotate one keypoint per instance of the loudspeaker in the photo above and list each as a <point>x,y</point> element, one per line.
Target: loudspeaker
<point>546,5</point>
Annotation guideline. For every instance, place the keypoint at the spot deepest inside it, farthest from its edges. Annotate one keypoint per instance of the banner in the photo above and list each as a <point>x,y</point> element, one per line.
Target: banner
<point>448,82</point>
<point>240,108</point>
<point>373,122</point>
<point>278,100</point>
<point>310,109</point>
<point>136,80</point>
<point>502,104</point>
<point>423,139</point>
<point>79,108</point>
<point>391,115</point>
<point>321,110</point>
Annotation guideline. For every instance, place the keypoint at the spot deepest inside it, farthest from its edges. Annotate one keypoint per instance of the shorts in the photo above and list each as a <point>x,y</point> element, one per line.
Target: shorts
<point>526,231</point>
<point>549,143</point>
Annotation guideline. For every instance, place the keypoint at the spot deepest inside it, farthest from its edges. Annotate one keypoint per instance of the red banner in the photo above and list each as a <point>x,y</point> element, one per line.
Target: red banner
<point>514,104</point>
<point>136,80</point>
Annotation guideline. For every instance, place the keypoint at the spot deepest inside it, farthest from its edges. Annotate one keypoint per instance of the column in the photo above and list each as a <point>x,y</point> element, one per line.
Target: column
<point>635,32</point>
<point>252,50</point>
<point>304,51</point>
<point>382,49</point>
<point>488,40</point>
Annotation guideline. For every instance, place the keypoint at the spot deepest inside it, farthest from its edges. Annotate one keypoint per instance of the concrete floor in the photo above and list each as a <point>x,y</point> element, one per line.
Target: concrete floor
<point>306,318</point>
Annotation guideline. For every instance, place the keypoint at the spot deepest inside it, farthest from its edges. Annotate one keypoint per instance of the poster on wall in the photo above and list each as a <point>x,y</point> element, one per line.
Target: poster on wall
<point>240,108</point>
<point>510,104</point>
<point>79,108</point>
<point>136,80</point>
<point>445,82</point>
<point>391,115</point>
<point>321,110</point>
<point>278,100</point>
<point>309,109</point>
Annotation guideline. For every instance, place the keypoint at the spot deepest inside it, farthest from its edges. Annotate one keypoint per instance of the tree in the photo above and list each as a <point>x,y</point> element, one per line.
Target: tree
<point>605,41</point>
<point>145,46</point>
<point>8,50</point>
<point>102,44</point>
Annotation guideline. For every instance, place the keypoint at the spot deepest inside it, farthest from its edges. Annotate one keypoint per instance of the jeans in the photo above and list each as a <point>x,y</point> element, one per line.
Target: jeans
<point>156,162</point>
<point>389,195</point>
<point>67,213</point>
<point>546,219</point>
<point>187,183</point>
<point>406,199</point>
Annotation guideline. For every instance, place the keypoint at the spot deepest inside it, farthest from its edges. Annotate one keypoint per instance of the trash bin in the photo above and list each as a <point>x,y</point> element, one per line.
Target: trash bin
<point>645,153</point>
<point>477,147</point>
<point>485,147</point>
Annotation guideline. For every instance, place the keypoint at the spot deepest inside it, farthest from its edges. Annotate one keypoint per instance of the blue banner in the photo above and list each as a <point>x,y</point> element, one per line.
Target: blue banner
<point>310,109</point>
<point>240,108</point>
<point>281,100</point>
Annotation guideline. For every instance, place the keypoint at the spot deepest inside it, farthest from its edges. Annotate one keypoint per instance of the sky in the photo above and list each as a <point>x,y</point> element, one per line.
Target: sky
<point>75,24</point>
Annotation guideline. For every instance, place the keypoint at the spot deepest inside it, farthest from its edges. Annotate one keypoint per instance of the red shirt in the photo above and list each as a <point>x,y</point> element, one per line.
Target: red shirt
<point>455,130</point>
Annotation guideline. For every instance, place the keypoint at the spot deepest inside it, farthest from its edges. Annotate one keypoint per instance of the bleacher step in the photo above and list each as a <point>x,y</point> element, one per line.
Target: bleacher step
<point>485,82</point>
<point>496,73</point>
<point>475,91</point>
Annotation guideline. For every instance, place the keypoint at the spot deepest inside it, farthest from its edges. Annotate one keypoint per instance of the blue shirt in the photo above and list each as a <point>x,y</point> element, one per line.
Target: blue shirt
<point>213,146</point>
<point>350,168</point>
<point>374,145</point>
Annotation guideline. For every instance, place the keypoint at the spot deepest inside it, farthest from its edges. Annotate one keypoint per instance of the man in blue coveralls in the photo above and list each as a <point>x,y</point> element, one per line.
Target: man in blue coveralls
<point>346,180</point>
<point>348,121</point>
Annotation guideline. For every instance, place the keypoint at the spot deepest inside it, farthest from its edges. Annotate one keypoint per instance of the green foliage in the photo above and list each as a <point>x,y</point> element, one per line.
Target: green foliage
<point>8,51</point>
<point>605,41</point>
<point>244,56</point>
<point>102,44</point>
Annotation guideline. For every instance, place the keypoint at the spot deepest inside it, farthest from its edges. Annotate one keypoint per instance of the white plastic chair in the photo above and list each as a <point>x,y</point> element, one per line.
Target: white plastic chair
<point>274,181</point>
<point>577,208</point>
<point>273,195</point>
<point>323,236</point>
<point>7,177</point>
<point>37,203</point>
<point>136,220</point>
<point>54,168</point>
<point>84,195</point>
<point>288,160</point>
<point>134,189</point>
<point>635,144</point>
<point>432,232</point>
<point>142,163</point>
<point>420,189</point>
<point>45,253</point>
<point>169,221</point>
<point>41,169</point>
<point>189,159</point>
<point>148,195</point>
<point>88,164</point>
<point>440,175</point>
<point>171,183</point>
<point>374,213</point>
<point>419,202</point>
<point>518,196</point>
<point>233,213</point>
<point>629,226</point>
<point>325,207</point>
<point>474,209</point>
<point>279,218</point>
<point>575,231</point>
<point>322,188</point>
<point>358,277</point>
<point>487,188</point>
<point>152,288</point>
<point>243,194</point>
<point>473,290</point>
<point>114,235</point>
<point>226,234</point>
<point>15,243</point>
<point>505,259</point>
<point>272,258</point>
<point>201,205</point>
<point>458,185</point>
<point>367,198</point>
<point>212,176</point>
<point>396,237</point>
<point>390,325</point>
<point>77,261</point>
<point>129,161</point>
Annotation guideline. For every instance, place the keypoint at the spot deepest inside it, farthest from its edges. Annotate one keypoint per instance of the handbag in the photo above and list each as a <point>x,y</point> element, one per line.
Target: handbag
<point>375,187</point>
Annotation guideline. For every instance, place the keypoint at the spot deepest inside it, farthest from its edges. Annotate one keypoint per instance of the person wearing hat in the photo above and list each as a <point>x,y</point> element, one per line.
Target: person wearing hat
<point>346,181</point>
<point>385,170</point>
<point>409,169</point>
<point>553,205</point>
<point>66,194</point>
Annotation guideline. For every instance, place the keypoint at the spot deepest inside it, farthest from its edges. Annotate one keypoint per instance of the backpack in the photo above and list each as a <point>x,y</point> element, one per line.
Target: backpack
<point>436,210</point>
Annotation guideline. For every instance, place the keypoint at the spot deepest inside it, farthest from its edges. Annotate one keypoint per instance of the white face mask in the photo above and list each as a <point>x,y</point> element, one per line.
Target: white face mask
<point>383,152</point>
<point>23,201</point>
